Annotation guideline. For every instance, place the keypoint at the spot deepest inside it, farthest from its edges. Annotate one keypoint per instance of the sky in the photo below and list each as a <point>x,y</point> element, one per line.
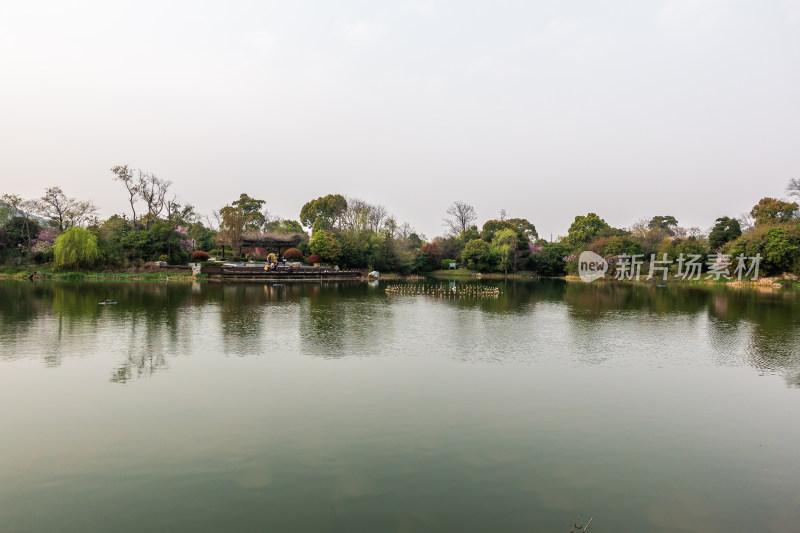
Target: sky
<point>547,110</point>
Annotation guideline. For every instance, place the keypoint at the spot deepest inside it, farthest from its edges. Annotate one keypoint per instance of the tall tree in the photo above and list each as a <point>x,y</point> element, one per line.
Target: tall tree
<point>666,223</point>
<point>376,217</point>
<point>231,228</point>
<point>524,229</point>
<point>325,212</point>
<point>251,211</point>
<point>462,215</point>
<point>124,175</point>
<point>504,243</point>
<point>725,230</point>
<point>585,228</point>
<point>153,191</point>
<point>773,211</point>
<point>283,226</point>
<point>325,245</point>
<point>63,211</point>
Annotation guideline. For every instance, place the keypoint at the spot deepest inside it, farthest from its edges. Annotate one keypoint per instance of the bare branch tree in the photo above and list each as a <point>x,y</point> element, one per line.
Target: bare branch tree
<point>125,175</point>
<point>793,189</point>
<point>376,216</point>
<point>463,215</point>
<point>63,211</point>
<point>694,231</point>
<point>215,220</point>
<point>405,230</point>
<point>640,228</point>
<point>81,212</point>
<point>356,216</point>
<point>172,206</point>
<point>153,191</point>
<point>746,222</point>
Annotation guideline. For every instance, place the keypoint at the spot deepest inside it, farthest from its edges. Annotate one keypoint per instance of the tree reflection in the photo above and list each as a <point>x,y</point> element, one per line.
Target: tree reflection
<point>154,322</point>
<point>344,318</point>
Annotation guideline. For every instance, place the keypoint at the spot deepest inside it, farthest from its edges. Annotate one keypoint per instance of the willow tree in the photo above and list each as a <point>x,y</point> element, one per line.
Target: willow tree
<point>76,248</point>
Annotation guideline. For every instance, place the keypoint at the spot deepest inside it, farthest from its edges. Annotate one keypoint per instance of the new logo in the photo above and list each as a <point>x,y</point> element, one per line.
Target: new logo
<point>591,266</point>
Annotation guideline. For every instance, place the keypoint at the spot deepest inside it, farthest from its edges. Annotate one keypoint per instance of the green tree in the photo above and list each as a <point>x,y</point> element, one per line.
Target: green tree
<point>584,228</point>
<point>725,230</point>
<point>251,211</point>
<point>468,234</point>
<point>19,232</point>
<point>621,245</point>
<point>325,245</point>
<point>430,257</point>
<point>781,249</point>
<point>779,246</point>
<point>76,248</point>
<point>504,245</point>
<point>526,232</point>
<point>232,226</point>
<point>773,211</point>
<point>477,255</point>
<point>324,213</point>
<point>283,226</point>
<point>666,223</point>
<point>692,246</point>
<point>549,258</point>
<point>385,257</point>
<point>20,210</point>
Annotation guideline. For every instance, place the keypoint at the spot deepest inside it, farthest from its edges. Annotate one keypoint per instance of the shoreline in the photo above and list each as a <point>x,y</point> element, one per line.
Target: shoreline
<point>767,282</point>
<point>781,282</point>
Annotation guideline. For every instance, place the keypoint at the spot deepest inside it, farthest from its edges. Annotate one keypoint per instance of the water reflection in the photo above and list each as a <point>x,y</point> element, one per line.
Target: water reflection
<point>344,318</point>
<point>592,324</point>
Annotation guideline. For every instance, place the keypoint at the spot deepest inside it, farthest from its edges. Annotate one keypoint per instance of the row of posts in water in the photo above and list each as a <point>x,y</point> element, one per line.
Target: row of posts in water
<point>445,291</point>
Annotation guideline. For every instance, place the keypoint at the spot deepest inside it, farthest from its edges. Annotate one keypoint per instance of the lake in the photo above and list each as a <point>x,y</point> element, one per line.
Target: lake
<point>337,407</point>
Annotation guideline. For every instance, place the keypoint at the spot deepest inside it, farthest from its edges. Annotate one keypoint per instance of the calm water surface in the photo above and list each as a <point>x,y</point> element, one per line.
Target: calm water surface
<point>339,408</point>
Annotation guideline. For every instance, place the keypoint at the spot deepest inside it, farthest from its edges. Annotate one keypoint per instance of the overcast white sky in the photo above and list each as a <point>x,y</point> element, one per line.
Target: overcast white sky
<point>545,109</point>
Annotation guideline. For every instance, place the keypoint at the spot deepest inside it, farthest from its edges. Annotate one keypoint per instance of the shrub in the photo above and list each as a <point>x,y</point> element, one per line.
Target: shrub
<point>446,263</point>
<point>163,257</point>
<point>179,257</point>
<point>199,256</point>
<point>293,254</point>
<point>313,258</point>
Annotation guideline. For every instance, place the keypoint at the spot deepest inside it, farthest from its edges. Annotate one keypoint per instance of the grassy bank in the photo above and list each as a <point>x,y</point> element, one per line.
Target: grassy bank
<point>458,273</point>
<point>466,273</point>
<point>23,273</point>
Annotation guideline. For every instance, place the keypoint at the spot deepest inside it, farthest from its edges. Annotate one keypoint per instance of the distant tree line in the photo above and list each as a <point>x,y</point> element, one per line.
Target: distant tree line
<point>67,232</point>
